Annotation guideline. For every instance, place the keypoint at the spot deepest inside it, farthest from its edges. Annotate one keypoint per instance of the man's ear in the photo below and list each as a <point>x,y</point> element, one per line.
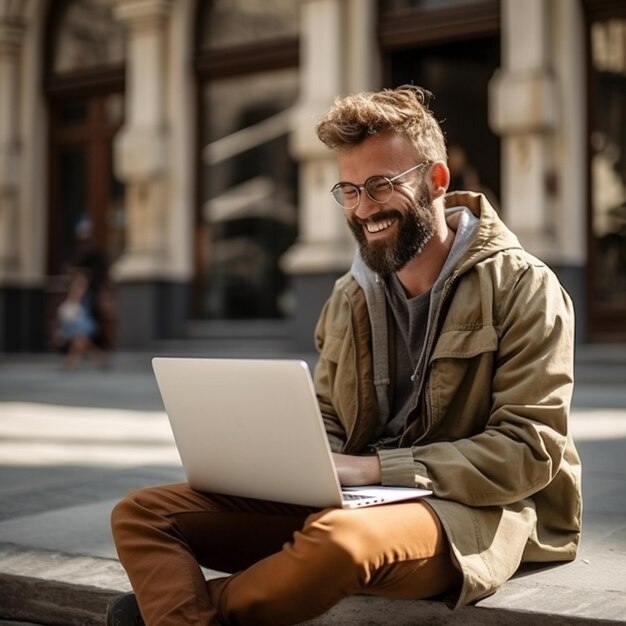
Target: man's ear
<point>439,179</point>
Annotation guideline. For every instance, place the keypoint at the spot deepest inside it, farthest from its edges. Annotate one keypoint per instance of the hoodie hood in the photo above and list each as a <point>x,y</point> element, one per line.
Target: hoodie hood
<point>492,235</point>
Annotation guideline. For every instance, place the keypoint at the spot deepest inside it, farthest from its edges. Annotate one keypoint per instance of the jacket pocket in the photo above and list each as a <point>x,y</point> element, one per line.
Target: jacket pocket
<point>458,385</point>
<point>465,343</point>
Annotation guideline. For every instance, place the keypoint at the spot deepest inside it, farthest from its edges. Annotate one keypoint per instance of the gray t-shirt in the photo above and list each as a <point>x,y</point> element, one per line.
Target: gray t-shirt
<point>411,318</point>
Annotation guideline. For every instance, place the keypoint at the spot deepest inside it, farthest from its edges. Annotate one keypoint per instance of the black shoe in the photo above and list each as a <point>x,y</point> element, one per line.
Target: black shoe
<point>124,612</point>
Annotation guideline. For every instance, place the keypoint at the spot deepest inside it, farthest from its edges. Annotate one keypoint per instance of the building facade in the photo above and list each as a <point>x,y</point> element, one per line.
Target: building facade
<point>182,131</point>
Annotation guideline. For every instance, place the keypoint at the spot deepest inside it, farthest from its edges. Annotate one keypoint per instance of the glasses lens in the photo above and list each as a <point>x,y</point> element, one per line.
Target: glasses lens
<point>346,195</point>
<point>378,188</point>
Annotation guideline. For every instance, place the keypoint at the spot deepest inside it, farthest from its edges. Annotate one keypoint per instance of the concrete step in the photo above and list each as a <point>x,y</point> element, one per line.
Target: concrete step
<point>57,589</point>
<point>45,587</point>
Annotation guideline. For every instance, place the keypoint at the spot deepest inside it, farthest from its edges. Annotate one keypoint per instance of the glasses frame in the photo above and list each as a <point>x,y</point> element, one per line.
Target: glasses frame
<point>363,187</point>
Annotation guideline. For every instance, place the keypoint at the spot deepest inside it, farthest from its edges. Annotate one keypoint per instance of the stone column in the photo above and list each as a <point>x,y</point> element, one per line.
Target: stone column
<point>21,304</point>
<point>141,147</point>
<point>569,150</point>
<point>338,54</point>
<point>537,106</point>
<point>524,112</point>
<point>149,300</point>
<point>11,38</point>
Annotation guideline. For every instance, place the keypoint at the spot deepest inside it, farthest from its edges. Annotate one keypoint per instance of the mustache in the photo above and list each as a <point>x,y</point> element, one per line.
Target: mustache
<point>381,215</point>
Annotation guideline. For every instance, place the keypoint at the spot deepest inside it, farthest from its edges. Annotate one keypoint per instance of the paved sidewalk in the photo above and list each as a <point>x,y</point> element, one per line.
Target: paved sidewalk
<point>71,443</point>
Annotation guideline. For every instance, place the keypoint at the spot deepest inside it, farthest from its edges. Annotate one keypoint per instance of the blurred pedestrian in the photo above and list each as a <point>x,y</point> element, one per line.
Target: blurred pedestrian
<point>99,298</point>
<point>76,326</point>
<point>464,176</point>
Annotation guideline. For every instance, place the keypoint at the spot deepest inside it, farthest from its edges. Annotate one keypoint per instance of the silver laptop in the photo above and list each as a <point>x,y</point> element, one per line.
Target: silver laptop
<point>253,428</point>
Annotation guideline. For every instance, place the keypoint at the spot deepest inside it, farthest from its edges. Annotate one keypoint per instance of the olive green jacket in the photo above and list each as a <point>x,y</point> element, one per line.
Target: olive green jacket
<point>491,436</point>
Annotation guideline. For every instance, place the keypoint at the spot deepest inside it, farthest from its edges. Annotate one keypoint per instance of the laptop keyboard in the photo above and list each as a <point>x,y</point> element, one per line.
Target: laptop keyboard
<point>353,496</point>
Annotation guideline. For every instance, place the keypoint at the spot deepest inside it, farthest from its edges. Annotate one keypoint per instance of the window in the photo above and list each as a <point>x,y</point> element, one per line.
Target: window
<point>248,22</point>
<point>84,36</point>
<point>399,6</point>
<point>247,188</point>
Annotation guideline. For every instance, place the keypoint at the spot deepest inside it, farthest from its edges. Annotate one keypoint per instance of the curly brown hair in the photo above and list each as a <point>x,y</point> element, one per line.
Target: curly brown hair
<point>354,118</point>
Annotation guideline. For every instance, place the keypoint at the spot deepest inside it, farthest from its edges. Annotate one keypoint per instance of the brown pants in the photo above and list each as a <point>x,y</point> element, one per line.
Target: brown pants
<point>292,563</point>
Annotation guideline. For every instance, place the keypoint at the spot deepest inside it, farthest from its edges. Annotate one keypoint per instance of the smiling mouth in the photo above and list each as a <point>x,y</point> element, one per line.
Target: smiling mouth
<point>379,226</point>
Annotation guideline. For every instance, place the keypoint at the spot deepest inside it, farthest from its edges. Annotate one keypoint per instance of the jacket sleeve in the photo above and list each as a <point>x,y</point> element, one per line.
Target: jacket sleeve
<point>325,373</point>
<point>520,449</point>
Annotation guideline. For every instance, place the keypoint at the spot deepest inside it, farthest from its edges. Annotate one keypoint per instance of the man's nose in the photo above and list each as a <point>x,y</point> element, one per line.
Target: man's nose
<point>367,207</point>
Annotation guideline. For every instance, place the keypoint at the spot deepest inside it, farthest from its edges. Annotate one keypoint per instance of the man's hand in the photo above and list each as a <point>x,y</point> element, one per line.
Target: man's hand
<point>357,470</point>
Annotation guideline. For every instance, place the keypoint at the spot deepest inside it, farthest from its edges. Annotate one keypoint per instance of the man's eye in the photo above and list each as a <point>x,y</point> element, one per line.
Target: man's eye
<point>377,185</point>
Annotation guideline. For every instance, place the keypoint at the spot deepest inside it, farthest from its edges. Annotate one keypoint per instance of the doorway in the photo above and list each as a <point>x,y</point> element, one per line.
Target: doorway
<point>452,49</point>
<point>462,113</point>
<point>606,277</point>
<point>83,186</point>
<point>84,55</point>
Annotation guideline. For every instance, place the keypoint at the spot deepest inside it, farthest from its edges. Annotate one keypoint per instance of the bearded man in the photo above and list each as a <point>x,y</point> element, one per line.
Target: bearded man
<point>445,362</point>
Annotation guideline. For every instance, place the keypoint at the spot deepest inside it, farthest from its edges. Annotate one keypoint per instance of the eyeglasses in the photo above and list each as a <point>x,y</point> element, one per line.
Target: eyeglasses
<point>378,189</point>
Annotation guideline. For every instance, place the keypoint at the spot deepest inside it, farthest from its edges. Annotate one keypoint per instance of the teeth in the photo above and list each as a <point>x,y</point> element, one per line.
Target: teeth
<point>376,227</point>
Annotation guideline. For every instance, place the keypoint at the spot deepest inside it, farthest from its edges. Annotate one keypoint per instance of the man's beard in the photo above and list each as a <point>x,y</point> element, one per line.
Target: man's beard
<point>415,229</point>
